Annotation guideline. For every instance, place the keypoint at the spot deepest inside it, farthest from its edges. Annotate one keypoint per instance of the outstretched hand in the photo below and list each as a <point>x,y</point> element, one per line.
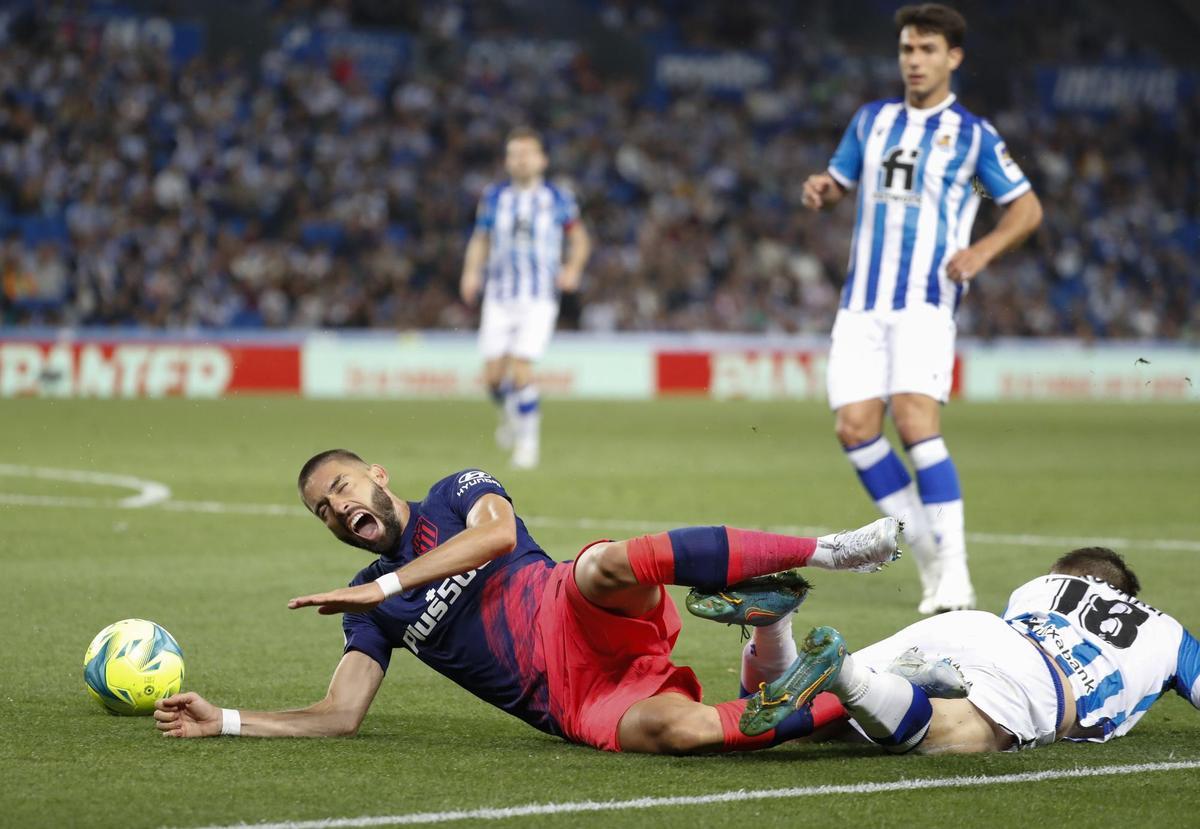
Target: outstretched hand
<point>187,715</point>
<point>358,599</point>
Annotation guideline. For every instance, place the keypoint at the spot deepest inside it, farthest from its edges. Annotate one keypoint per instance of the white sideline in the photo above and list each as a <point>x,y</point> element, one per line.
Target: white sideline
<point>150,498</point>
<point>531,809</point>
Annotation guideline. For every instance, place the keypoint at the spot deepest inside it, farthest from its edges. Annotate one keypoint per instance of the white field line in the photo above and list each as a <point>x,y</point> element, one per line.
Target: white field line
<point>148,494</point>
<point>601,525</point>
<point>532,809</point>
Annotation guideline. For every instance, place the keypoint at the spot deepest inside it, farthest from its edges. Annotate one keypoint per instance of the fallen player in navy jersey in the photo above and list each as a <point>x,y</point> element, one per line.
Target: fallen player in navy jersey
<point>577,649</point>
<point>1074,656</point>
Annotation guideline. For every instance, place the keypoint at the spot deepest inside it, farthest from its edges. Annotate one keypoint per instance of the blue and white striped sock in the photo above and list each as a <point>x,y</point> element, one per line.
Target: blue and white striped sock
<point>886,479</point>
<point>890,710</point>
<point>937,481</point>
<point>527,411</point>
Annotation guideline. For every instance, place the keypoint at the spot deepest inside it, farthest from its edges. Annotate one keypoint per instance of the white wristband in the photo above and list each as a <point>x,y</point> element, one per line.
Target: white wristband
<point>389,583</point>
<point>231,722</point>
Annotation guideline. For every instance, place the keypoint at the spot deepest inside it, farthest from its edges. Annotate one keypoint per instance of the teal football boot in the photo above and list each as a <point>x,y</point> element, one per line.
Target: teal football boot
<point>819,662</point>
<point>759,601</point>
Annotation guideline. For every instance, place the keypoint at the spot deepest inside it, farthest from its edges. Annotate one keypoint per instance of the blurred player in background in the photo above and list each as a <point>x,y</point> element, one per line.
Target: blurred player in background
<point>916,161</point>
<point>578,649</point>
<point>515,258</point>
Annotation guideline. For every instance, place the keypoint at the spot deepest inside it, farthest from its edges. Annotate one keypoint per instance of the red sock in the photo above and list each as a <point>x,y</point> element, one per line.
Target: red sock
<point>753,553</point>
<point>652,559</point>
<point>714,556</point>
<point>824,709</point>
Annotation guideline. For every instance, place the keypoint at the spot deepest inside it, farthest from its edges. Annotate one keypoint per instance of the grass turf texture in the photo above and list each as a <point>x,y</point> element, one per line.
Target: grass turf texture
<point>219,583</point>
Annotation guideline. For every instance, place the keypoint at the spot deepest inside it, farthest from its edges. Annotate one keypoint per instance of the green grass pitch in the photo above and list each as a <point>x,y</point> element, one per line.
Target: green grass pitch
<point>219,582</point>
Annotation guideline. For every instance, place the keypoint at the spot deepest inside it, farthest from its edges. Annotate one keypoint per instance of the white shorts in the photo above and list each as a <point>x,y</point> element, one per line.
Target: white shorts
<point>875,354</point>
<point>1010,679</point>
<point>516,329</point>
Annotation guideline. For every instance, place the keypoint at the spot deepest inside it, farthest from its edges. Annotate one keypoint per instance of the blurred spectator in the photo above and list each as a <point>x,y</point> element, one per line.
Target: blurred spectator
<point>286,192</point>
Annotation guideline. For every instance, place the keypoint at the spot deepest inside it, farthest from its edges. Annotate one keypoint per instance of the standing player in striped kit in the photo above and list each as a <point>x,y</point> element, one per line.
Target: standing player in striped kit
<point>914,160</point>
<point>515,258</point>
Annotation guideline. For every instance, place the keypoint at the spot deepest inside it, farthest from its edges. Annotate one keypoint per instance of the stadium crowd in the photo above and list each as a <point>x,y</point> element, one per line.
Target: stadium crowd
<point>286,190</point>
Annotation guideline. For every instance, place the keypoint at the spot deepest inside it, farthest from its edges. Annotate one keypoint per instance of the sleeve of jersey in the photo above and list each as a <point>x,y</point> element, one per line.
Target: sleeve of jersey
<point>847,162</point>
<point>1001,176</point>
<point>362,634</point>
<point>467,487</point>
<point>485,215</point>
<point>1187,670</point>
<point>568,209</point>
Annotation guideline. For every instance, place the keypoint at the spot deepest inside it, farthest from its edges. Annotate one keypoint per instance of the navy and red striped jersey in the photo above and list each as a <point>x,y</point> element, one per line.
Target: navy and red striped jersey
<point>477,629</point>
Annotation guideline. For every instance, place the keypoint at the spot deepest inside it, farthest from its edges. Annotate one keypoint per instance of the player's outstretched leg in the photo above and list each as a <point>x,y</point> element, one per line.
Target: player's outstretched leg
<point>891,710</point>
<point>763,600</point>
<point>719,556</point>
<point>886,479</point>
<point>625,575</point>
<point>671,724</point>
<point>937,480</point>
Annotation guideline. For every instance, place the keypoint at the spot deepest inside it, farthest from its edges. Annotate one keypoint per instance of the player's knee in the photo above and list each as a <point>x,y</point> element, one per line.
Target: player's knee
<point>916,420</point>
<point>851,430</point>
<point>605,567</point>
<point>521,372</point>
<point>675,732</point>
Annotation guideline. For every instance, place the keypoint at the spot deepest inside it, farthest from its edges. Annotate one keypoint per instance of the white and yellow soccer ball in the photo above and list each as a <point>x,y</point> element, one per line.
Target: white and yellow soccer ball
<point>130,664</point>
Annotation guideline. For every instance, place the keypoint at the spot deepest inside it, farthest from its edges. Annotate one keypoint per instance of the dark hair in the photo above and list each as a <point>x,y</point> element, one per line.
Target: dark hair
<point>523,133</point>
<point>310,466</point>
<point>933,18</point>
<point>1101,563</point>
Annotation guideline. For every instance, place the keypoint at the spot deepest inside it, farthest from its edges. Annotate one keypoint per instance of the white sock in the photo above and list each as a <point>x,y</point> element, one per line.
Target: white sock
<point>770,651</point>
<point>937,481</point>
<point>906,505</point>
<point>890,710</point>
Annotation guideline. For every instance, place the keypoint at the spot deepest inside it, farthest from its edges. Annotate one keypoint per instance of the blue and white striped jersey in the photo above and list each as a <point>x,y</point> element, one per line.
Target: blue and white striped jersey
<point>916,203</point>
<point>1120,653</point>
<point>525,228</point>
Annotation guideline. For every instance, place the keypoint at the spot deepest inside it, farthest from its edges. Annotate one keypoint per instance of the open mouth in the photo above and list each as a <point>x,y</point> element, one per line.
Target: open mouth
<point>365,526</point>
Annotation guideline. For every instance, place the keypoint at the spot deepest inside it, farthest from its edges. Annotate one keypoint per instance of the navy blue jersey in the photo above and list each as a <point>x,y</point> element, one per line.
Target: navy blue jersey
<point>477,629</point>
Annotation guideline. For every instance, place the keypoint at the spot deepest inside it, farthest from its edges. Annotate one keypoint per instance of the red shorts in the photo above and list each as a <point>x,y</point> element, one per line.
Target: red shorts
<point>598,664</point>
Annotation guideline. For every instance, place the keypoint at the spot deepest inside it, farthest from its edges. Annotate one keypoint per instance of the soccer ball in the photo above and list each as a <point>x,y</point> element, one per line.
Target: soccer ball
<point>130,664</point>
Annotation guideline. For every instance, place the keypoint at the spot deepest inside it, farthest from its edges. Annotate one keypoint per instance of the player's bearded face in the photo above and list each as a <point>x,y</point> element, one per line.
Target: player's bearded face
<point>378,529</point>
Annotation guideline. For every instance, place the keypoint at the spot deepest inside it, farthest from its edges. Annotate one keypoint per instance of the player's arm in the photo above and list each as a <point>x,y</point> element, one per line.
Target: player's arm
<point>830,187</point>
<point>473,262</point>
<point>340,713</point>
<point>491,531</point>
<point>822,190</point>
<point>1187,669</point>
<point>579,248</point>
<point>1020,219</point>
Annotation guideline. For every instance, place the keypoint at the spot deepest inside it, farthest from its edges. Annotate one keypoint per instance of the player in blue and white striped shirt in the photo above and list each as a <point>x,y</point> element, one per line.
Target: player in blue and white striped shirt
<point>915,161</point>
<point>516,259</point>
